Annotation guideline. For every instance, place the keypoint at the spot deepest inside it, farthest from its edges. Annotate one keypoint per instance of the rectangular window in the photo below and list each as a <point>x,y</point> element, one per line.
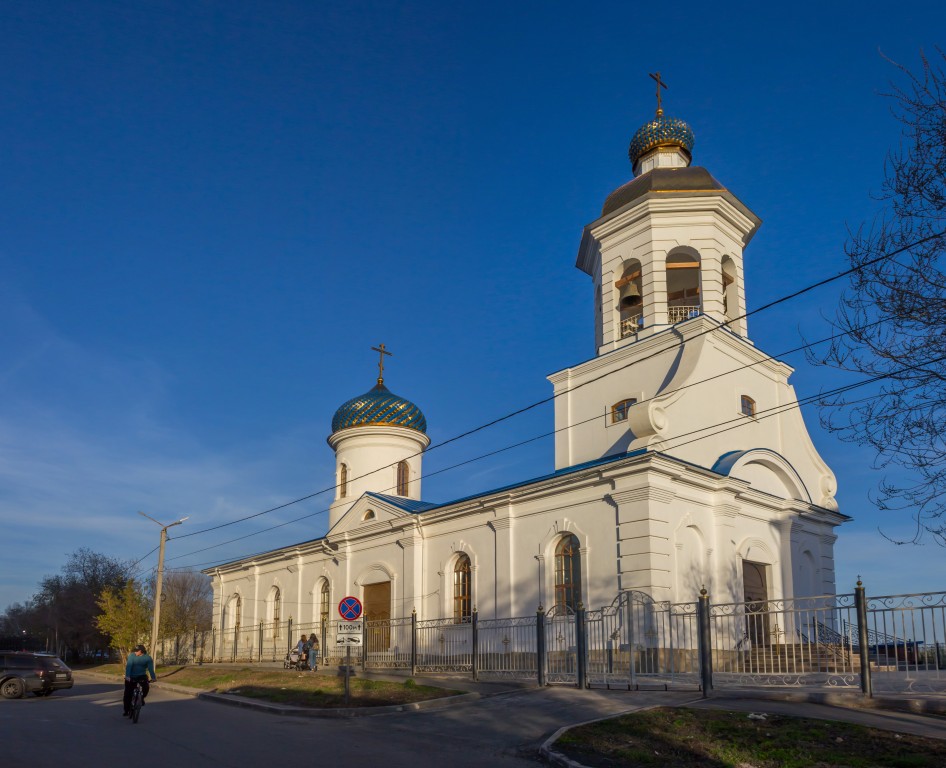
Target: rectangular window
<point>747,406</point>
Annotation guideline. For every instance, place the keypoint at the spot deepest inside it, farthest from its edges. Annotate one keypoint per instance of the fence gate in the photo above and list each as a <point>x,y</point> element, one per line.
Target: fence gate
<point>639,641</point>
<point>561,645</point>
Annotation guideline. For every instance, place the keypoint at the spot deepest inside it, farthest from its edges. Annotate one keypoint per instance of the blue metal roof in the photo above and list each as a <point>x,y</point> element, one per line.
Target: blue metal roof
<point>408,505</point>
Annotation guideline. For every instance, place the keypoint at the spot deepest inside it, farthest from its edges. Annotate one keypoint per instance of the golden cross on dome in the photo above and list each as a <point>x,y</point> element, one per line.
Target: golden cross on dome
<point>660,84</point>
<point>380,349</point>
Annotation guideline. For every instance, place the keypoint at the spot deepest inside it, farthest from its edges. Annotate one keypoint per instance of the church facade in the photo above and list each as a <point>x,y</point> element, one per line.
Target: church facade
<point>681,456</point>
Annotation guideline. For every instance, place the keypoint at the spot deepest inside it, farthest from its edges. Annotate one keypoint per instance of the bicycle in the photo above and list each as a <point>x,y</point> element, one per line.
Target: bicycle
<point>137,701</point>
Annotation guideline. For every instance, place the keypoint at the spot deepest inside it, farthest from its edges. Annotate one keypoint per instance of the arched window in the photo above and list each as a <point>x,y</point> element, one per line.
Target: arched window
<point>323,604</point>
<point>747,406</point>
<point>462,590</point>
<point>630,299</point>
<point>403,477</point>
<point>567,573</point>
<point>683,287</point>
<point>730,291</point>
<point>238,613</point>
<point>619,410</point>
<point>275,599</point>
<point>369,515</point>
<point>343,481</point>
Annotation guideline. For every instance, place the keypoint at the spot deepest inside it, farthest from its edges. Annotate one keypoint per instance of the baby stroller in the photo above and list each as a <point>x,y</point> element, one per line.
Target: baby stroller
<point>295,660</point>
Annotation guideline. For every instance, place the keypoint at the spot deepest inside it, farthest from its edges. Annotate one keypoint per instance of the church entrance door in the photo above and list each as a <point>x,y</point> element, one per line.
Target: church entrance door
<point>756,595</point>
<point>378,616</point>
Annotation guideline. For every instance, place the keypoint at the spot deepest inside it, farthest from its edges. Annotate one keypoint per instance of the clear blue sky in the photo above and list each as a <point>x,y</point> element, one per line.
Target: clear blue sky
<point>209,212</point>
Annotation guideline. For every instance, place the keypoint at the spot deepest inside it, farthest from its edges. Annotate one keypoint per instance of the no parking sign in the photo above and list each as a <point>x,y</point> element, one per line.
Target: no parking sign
<point>350,608</point>
<point>350,628</point>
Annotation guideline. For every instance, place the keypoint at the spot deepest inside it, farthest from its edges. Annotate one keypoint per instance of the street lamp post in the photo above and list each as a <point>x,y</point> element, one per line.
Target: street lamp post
<point>157,587</point>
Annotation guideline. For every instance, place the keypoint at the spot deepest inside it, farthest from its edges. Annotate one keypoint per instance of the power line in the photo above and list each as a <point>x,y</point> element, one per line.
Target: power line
<point>728,425</point>
<point>551,398</point>
<point>528,440</point>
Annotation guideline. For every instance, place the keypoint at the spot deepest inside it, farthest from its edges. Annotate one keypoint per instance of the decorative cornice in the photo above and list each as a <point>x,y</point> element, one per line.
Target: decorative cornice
<point>726,510</point>
<point>644,493</point>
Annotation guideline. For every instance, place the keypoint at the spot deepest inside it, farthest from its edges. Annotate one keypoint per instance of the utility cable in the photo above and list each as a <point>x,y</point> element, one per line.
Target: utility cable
<point>552,397</point>
<point>727,425</point>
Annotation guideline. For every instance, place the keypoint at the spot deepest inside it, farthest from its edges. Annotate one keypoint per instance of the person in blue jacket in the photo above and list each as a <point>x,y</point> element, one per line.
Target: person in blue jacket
<point>139,666</point>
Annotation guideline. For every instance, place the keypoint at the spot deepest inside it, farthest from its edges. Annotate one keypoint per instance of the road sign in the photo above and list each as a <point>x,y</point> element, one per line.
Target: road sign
<point>350,608</point>
<point>349,632</point>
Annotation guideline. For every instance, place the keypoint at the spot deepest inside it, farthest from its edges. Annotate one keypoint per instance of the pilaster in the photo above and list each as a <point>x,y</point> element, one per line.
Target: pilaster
<point>725,560</point>
<point>412,581</point>
<point>644,539</point>
<point>503,596</point>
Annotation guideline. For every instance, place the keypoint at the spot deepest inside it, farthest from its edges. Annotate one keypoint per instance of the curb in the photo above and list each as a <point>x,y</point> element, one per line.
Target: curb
<point>290,710</point>
<point>118,680</point>
<point>233,700</point>
<point>851,700</point>
<point>549,754</point>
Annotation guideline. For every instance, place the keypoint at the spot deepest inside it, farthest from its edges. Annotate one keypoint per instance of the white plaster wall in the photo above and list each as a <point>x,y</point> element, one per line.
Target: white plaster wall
<point>371,454</point>
<point>709,525</point>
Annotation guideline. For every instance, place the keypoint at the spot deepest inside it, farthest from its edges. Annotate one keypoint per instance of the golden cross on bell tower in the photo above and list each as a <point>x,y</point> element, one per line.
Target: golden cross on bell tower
<point>380,349</point>
<point>660,84</point>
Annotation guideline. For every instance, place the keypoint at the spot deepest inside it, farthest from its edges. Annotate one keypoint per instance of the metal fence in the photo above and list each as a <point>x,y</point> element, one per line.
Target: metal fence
<point>785,643</point>
<point>507,648</point>
<point>906,642</point>
<point>892,643</point>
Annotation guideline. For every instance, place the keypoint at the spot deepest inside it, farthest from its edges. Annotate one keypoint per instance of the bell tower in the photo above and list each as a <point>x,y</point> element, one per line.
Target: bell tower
<point>668,246</point>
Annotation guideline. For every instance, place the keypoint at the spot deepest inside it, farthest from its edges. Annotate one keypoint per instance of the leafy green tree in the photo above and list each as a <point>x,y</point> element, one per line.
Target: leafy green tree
<point>125,616</point>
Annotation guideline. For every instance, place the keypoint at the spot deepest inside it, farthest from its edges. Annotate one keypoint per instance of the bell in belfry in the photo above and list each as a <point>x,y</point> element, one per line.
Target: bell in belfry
<point>630,296</point>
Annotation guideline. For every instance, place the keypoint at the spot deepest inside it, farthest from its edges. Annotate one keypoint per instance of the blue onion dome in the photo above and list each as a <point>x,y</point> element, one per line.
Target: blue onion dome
<point>380,406</point>
<point>660,132</point>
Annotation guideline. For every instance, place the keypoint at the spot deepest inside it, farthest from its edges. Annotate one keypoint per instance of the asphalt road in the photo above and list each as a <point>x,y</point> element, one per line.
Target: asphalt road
<point>84,727</point>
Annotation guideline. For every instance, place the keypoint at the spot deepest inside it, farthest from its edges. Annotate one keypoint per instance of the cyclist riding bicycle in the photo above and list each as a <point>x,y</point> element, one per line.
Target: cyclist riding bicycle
<point>139,666</point>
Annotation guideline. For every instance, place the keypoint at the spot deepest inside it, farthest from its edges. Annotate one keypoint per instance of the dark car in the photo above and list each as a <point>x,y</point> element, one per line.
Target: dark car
<point>38,673</point>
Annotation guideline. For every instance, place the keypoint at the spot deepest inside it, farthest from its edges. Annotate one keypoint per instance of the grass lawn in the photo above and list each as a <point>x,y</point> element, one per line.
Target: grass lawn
<point>708,738</point>
<point>286,686</point>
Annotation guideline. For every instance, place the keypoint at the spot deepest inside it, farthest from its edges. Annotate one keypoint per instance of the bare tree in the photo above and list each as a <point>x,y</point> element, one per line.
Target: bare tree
<point>187,603</point>
<point>66,603</point>
<point>893,314</point>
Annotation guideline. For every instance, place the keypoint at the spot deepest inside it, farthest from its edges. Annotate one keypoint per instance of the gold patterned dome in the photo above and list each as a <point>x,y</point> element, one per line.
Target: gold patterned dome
<point>379,406</point>
<point>660,132</point>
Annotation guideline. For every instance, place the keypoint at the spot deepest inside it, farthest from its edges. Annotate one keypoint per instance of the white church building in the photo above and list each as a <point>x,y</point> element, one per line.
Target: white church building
<point>681,456</point>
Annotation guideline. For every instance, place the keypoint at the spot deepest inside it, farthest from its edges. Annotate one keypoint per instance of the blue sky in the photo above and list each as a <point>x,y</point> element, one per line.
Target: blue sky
<point>209,212</point>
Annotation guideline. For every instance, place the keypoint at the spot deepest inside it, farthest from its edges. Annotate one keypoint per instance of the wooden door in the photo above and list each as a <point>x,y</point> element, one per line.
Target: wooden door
<point>377,604</point>
<point>756,594</point>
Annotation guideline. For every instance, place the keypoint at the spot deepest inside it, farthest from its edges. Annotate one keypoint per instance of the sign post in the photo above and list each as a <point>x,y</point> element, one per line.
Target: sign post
<point>350,630</point>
